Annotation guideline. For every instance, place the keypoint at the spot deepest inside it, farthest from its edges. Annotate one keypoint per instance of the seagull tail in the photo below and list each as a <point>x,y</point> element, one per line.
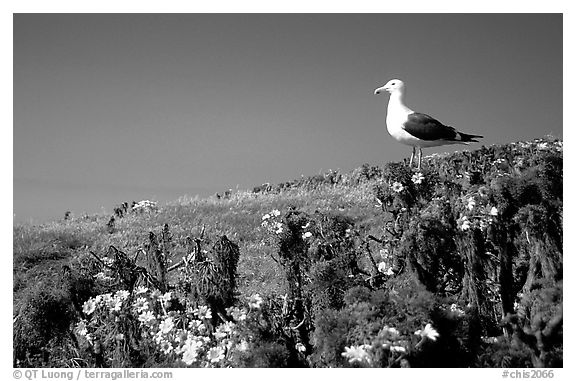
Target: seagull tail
<point>466,138</point>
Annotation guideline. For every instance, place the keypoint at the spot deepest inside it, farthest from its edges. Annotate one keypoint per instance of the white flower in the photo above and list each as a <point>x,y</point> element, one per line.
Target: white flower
<point>255,301</point>
<point>115,305</point>
<point>243,346</point>
<point>382,267</point>
<point>166,297</point>
<point>89,306</point>
<point>279,228</point>
<point>494,211</point>
<point>417,178</point>
<point>203,312</point>
<point>265,217</point>
<point>215,354</point>
<point>471,203</point>
<point>464,223</point>
<point>275,212</point>
<point>190,349</point>
<point>166,347</point>
<point>384,253</point>
<point>102,277</point>
<point>81,328</point>
<point>397,187</point>
<point>391,332</point>
<point>108,261</point>
<point>397,348</point>
<point>146,317</point>
<point>457,310</point>
<point>166,325</point>
<point>236,313</point>
<point>306,235</point>
<point>197,325</point>
<point>357,353</point>
<point>122,294</point>
<point>141,290</point>
<point>428,332</point>
<point>141,304</point>
<point>300,347</point>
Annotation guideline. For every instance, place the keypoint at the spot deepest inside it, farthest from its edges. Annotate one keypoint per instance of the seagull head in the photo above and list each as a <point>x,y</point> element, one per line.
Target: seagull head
<point>391,86</point>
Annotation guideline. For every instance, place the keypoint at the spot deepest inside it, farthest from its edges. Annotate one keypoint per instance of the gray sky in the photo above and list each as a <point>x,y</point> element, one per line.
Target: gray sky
<point>112,108</point>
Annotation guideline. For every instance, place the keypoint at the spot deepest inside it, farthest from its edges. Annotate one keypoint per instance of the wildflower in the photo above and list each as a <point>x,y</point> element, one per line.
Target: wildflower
<point>417,178</point>
<point>146,317</point>
<point>89,306</point>
<point>391,332</point>
<point>471,203</point>
<point>397,348</point>
<point>489,340</point>
<point>275,212</point>
<point>236,313</point>
<point>141,290</point>
<point>203,312</point>
<point>141,304</point>
<point>306,235</point>
<point>464,223</point>
<point>300,347</point>
<point>81,328</point>
<point>155,294</point>
<point>493,211</point>
<point>166,325</point>
<point>108,261</point>
<point>255,301</point>
<point>166,297</point>
<point>382,268</point>
<point>265,217</point>
<point>166,347</point>
<point>457,310</point>
<point>384,253</point>
<point>357,353</point>
<point>244,346</point>
<point>197,325</point>
<point>397,187</point>
<point>115,305</point>
<point>102,277</point>
<point>542,146</point>
<point>190,349</point>
<point>215,354</point>
<point>279,228</point>
<point>428,332</point>
<point>122,294</point>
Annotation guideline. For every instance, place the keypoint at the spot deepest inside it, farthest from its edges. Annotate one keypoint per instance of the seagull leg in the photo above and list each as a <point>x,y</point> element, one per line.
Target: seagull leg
<point>419,157</point>
<point>412,157</point>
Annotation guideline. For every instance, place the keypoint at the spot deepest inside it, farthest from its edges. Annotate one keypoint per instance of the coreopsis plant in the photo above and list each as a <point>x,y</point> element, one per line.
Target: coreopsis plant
<point>146,320</point>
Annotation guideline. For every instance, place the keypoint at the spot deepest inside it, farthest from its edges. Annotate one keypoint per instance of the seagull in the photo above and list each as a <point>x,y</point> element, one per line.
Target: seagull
<point>416,129</point>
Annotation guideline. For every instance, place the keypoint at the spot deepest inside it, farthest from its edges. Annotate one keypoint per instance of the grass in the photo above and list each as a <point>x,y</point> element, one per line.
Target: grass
<point>40,251</point>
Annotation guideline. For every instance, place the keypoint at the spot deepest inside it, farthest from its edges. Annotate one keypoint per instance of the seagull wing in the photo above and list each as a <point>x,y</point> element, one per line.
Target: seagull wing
<point>425,127</point>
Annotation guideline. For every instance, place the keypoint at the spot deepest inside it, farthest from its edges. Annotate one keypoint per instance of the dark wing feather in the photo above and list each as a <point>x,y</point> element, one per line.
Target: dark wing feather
<point>425,127</point>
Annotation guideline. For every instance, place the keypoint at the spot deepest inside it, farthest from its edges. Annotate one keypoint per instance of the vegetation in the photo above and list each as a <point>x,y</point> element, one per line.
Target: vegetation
<point>458,265</point>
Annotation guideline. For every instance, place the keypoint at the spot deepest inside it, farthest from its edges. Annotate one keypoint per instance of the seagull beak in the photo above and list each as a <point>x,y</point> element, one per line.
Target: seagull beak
<point>378,90</point>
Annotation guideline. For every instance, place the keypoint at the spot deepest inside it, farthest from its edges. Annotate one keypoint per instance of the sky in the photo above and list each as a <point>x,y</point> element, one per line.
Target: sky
<point>119,107</point>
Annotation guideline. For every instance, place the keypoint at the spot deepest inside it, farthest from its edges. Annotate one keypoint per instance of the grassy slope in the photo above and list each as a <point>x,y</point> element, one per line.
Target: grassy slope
<point>40,251</point>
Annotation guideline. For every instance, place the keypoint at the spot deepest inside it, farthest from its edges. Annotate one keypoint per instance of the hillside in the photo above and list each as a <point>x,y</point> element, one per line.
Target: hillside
<point>459,265</point>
